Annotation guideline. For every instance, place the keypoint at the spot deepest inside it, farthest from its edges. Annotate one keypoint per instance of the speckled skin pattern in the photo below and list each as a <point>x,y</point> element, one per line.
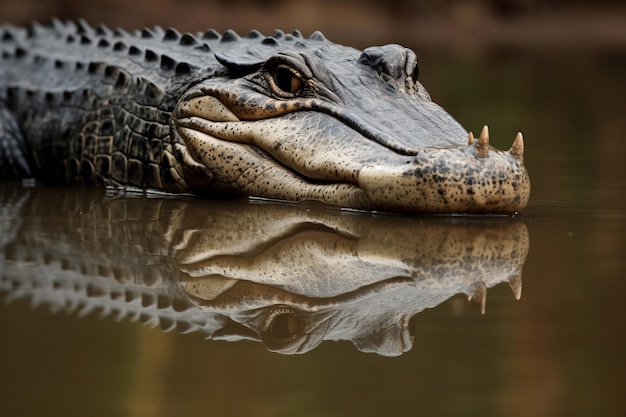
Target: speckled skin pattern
<point>281,117</point>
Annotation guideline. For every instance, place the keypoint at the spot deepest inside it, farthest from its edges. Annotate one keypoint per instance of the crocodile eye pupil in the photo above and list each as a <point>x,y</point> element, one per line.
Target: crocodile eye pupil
<point>284,327</point>
<point>287,81</point>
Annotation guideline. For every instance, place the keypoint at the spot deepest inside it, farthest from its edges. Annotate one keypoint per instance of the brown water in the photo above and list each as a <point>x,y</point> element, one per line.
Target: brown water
<point>558,351</point>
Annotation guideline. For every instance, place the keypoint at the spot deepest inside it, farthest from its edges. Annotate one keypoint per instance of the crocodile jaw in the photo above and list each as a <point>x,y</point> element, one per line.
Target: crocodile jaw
<point>254,158</point>
<point>450,180</point>
<point>403,154</point>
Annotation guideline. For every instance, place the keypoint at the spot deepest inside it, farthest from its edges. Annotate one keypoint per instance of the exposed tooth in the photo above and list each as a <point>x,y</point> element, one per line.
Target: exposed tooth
<point>482,147</point>
<point>480,293</point>
<point>470,139</point>
<point>517,149</point>
<point>516,286</point>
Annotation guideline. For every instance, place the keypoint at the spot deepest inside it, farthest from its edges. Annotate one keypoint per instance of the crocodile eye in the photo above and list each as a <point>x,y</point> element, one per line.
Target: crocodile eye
<point>286,80</point>
<point>284,327</point>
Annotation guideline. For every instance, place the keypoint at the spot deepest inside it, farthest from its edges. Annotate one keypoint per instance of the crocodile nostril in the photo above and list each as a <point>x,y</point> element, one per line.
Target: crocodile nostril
<point>392,60</point>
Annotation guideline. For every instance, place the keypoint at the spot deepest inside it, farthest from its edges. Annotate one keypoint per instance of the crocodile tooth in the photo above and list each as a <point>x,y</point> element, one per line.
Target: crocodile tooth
<point>480,293</point>
<point>481,296</point>
<point>517,149</point>
<point>470,139</point>
<point>482,146</point>
<point>515,282</point>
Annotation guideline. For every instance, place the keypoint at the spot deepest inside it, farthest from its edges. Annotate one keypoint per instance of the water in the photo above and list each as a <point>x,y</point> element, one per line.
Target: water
<point>558,350</point>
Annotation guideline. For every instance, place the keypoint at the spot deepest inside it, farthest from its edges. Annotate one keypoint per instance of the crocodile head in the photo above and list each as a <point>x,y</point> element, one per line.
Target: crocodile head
<point>319,121</point>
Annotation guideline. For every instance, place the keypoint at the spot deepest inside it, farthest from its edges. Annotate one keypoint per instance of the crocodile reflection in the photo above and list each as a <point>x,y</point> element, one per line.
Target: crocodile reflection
<point>290,276</point>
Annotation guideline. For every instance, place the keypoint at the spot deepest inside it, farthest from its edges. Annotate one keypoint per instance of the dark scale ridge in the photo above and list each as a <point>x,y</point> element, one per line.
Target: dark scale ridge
<point>211,34</point>
<point>7,36</point>
<point>254,34</point>
<point>270,41</point>
<point>171,35</point>
<point>150,55</point>
<point>102,30</point>
<point>230,36</point>
<point>203,48</point>
<point>187,40</point>
<point>120,33</point>
<point>167,63</point>
<point>278,34</point>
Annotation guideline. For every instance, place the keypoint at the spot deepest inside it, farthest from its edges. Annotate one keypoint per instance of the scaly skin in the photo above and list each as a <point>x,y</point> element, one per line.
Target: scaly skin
<point>280,117</point>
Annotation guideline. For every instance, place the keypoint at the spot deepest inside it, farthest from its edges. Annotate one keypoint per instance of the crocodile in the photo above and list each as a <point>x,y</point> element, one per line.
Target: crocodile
<point>283,117</point>
<point>285,275</point>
